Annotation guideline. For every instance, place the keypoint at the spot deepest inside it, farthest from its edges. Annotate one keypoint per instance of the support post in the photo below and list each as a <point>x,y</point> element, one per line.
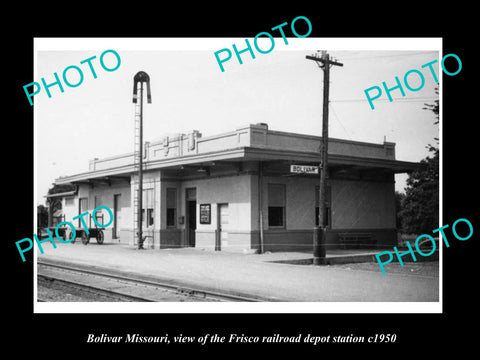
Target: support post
<point>217,240</point>
<point>260,205</point>
<point>319,248</point>
<point>140,77</point>
<point>140,175</point>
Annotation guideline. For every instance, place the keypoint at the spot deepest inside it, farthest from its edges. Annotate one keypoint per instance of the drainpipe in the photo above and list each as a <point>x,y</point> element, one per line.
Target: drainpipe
<point>260,205</point>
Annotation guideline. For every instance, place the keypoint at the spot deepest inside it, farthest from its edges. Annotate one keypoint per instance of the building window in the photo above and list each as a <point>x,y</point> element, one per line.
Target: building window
<point>148,205</point>
<point>327,215</point>
<point>171,207</point>
<point>97,201</point>
<point>82,207</point>
<point>149,217</point>
<point>276,205</point>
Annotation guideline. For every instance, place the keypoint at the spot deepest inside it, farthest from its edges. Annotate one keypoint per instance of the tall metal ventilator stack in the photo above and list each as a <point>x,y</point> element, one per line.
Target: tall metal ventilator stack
<point>138,80</point>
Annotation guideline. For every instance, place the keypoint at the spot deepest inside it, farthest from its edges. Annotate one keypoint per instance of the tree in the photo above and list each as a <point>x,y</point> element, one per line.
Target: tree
<point>434,107</point>
<point>420,206</point>
<point>399,199</point>
<point>56,203</point>
<point>419,213</point>
<point>42,216</point>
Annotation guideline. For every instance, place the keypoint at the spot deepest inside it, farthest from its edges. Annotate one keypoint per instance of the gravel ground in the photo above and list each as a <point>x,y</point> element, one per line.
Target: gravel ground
<point>430,268</point>
<point>54,291</point>
<point>258,276</point>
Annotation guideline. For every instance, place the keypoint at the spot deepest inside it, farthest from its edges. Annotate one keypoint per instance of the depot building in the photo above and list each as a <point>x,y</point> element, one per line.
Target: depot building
<point>246,190</point>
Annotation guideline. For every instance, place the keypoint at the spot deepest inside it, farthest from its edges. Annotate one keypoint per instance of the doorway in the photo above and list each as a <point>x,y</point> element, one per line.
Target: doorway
<point>191,216</point>
<point>82,207</point>
<point>116,216</point>
<point>222,223</point>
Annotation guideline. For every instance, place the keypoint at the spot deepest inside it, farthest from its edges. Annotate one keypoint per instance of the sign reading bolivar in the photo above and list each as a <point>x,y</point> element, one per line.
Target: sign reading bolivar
<point>303,169</point>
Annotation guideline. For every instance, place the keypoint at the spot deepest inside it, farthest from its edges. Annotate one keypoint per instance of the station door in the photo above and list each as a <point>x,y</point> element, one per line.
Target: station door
<point>223,224</point>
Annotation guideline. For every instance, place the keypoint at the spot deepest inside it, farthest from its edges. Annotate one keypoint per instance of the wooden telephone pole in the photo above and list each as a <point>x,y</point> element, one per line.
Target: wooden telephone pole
<point>319,232</point>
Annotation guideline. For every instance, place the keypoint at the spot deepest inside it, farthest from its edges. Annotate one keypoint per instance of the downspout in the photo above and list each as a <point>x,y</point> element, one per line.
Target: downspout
<point>260,204</point>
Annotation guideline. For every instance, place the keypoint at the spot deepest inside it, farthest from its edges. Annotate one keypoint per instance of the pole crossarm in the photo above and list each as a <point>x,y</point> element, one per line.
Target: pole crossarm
<point>323,61</point>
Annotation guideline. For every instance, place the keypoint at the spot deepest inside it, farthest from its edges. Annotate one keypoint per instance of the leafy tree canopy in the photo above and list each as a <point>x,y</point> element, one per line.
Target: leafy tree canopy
<point>419,208</point>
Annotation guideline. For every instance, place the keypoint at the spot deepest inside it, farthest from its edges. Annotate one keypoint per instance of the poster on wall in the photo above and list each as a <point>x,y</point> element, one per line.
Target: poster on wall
<point>205,213</point>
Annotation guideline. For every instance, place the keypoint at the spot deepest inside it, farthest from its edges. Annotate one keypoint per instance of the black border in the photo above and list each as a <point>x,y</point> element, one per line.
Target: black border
<point>65,334</point>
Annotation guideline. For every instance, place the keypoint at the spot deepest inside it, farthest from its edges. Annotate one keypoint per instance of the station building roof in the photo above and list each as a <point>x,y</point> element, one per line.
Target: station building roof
<point>252,143</point>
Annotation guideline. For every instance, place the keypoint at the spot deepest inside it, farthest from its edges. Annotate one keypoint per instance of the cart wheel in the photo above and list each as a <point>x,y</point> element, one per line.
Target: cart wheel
<point>69,236</point>
<point>100,237</point>
<point>85,238</point>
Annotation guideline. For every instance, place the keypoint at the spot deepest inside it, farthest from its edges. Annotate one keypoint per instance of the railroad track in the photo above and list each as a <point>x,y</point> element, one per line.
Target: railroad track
<point>103,285</point>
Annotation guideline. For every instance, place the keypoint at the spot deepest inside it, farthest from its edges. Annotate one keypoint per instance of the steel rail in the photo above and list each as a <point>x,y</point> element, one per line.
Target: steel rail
<point>178,289</point>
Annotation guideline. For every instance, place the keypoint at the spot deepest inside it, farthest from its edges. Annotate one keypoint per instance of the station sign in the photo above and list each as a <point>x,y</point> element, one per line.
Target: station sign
<point>304,169</point>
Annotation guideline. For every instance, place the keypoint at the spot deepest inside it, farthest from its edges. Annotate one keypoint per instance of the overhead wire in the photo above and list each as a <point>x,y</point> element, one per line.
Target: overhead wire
<point>410,99</point>
<point>386,56</point>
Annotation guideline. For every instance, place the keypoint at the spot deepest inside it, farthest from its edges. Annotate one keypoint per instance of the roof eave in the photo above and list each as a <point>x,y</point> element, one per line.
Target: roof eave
<point>247,154</point>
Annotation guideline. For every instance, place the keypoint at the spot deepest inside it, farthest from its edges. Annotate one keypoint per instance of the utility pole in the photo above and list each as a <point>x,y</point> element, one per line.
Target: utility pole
<point>320,231</point>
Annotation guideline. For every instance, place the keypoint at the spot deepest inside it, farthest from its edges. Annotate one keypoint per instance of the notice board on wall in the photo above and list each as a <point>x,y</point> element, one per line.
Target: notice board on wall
<point>205,213</point>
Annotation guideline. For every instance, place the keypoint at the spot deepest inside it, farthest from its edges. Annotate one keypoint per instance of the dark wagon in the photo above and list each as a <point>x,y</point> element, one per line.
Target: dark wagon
<point>66,233</point>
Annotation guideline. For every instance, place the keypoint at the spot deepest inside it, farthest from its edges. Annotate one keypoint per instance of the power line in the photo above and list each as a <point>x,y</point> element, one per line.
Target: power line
<point>357,148</point>
<point>387,56</point>
<point>416,99</point>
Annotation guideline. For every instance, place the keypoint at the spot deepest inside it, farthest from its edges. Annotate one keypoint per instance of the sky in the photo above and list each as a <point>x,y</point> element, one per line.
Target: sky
<point>189,91</point>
